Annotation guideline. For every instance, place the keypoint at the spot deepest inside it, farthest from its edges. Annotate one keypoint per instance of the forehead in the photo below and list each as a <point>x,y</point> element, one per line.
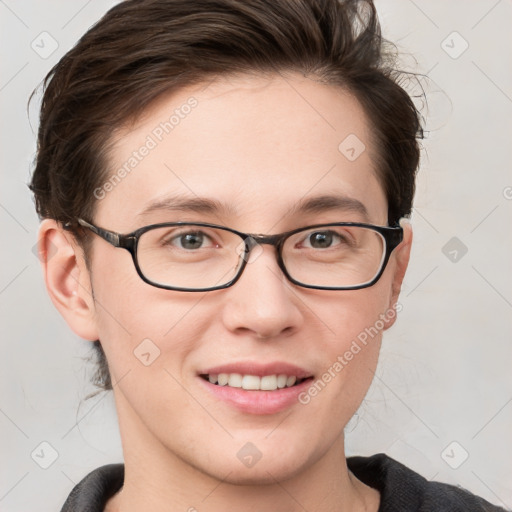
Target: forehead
<point>253,145</point>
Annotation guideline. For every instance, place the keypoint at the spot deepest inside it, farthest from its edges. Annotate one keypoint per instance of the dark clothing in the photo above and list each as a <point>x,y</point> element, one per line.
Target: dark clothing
<point>401,489</point>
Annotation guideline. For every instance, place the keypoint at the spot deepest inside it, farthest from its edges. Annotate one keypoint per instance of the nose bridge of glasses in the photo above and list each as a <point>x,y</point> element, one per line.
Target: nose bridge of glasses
<point>256,240</point>
<point>251,247</point>
<point>260,239</point>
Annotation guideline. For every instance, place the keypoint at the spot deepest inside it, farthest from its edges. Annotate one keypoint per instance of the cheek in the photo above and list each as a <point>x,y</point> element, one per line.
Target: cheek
<point>351,314</point>
<point>349,353</point>
<point>143,328</point>
<point>148,335</point>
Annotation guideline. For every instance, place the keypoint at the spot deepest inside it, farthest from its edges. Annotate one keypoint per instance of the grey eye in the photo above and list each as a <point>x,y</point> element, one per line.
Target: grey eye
<point>191,240</point>
<point>323,239</point>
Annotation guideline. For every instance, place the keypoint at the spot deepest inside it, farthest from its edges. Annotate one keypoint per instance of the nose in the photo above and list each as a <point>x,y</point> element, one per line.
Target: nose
<point>262,302</point>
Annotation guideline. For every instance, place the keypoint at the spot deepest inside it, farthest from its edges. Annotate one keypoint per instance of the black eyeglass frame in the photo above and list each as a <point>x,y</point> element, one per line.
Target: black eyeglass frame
<point>392,236</point>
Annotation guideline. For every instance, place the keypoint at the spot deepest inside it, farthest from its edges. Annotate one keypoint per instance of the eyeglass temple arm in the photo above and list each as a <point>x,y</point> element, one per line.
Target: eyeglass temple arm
<point>397,236</point>
<point>109,236</point>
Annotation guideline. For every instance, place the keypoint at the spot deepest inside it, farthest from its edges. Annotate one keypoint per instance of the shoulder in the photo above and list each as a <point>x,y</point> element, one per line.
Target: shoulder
<point>92,493</point>
<point>403,489</point>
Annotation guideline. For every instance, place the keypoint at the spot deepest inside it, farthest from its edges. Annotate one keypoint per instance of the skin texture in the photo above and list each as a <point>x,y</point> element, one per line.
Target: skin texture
<point>259,145</point>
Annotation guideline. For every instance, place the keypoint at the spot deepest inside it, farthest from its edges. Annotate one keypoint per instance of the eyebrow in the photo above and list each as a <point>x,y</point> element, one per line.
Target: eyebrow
<point>317,204</point>
<point>330,202</point>
<point>177,203</point>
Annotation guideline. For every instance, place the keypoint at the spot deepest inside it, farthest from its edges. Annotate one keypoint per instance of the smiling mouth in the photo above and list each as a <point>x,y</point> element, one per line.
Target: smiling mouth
<point>254,382</point>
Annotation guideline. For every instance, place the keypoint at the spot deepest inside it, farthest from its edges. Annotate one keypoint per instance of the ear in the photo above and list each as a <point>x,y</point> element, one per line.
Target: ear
<point>67,278</point>
<point>401,256</point>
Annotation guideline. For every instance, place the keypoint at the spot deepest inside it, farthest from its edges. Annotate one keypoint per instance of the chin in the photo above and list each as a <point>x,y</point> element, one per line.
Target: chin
<point>249,466</point>
<point>261,474</point>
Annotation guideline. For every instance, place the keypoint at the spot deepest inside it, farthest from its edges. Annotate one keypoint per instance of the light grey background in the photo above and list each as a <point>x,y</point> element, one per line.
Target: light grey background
<point>445,369</point>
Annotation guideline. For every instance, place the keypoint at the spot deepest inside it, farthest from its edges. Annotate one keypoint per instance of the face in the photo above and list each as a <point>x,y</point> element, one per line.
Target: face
<point>258,149</point>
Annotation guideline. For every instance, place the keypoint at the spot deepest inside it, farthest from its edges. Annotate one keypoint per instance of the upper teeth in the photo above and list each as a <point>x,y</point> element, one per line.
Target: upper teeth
<point>253,382</point>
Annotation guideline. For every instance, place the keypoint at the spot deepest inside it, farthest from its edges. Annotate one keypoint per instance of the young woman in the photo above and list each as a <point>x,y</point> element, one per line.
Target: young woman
<point>223,187</point>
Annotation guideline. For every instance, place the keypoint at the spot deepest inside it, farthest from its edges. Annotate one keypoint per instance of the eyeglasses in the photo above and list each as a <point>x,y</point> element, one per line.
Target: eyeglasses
<point>200,257</point>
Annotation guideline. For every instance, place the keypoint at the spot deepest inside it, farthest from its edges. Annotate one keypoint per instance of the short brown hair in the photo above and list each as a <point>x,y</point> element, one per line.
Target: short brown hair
<point>142,49</point>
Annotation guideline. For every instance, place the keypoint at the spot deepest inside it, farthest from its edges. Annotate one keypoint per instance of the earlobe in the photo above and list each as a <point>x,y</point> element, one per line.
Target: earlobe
<point>67,278</point>
<point>401,255</point>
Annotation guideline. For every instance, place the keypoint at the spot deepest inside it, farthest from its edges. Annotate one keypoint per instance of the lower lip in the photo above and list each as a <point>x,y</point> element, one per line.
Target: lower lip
<point>258,402</point>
